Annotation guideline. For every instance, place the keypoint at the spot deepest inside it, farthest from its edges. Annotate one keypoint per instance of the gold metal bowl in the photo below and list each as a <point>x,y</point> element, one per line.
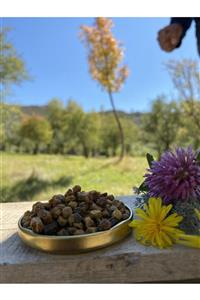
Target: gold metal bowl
<point>77,243</point>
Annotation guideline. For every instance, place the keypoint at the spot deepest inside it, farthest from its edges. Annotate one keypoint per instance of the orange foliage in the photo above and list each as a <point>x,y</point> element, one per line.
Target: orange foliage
<point>104,54</point>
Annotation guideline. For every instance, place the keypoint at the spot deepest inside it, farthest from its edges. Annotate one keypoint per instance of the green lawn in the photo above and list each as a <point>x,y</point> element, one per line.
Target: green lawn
<point>38,177</point>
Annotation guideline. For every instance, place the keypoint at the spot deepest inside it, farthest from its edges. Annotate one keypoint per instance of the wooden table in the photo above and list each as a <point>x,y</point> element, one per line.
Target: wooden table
<point>125,262</point>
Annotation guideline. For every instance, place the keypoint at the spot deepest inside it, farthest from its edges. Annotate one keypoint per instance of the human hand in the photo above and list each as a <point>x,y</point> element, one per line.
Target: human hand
<point>169,37</point>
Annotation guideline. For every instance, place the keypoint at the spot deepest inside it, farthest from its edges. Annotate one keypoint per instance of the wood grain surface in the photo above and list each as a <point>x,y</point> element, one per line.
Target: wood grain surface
<point>125,262</point>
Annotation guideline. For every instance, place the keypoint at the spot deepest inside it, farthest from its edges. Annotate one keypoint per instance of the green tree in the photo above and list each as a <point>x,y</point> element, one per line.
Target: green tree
<point>92,132</point>
<point>104,56</point>
<point>11,116</point>
<point>189,131</point>
<point>131,134</point>
<point>12,67</point>
<point>36,130</point>
<point>161,125</point>
<point>56,117</point>
<point>81,129</point>
<point>110,139</point>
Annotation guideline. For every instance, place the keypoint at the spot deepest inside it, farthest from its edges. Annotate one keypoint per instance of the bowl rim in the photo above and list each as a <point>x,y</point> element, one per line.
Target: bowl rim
<point>72,237</point>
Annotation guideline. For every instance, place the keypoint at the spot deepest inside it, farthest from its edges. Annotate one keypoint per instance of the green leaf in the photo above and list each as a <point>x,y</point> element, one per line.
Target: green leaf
<point>143,187</point>
<point>150,159</point>
<point>198,157</point>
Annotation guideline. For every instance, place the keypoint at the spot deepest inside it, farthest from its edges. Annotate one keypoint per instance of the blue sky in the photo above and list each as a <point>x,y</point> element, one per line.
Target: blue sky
<point>57,62</point>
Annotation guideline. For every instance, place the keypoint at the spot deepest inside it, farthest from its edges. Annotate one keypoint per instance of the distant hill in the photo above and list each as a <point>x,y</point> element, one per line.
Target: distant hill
<point>42,110</point>
<point>136,116</point>
<point>35,109</point>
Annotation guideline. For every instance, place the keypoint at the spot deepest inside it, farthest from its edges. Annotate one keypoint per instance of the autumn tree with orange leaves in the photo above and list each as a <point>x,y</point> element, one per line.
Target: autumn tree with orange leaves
<point>105,55</point>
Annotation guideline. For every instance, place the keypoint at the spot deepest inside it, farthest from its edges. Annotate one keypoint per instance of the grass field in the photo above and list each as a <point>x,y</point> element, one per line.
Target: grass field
<point>38,177</point>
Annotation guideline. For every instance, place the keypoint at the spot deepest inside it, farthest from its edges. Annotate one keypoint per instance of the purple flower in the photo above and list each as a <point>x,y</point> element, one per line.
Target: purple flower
<point>175,177</point>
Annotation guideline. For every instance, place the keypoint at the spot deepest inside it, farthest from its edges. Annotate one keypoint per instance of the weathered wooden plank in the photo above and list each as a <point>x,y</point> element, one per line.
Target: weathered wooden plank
<point>124,262</point>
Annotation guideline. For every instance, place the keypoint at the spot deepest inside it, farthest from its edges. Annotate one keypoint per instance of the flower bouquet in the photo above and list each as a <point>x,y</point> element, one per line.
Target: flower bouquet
<point>168,202</point>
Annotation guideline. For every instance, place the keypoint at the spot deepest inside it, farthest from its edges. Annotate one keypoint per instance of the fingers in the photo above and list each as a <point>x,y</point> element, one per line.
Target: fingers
<point>169,37</point>
<point>164,40</point>
<point>176,32</point>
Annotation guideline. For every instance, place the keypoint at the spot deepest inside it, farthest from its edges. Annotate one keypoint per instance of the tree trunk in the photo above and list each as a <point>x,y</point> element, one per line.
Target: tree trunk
<point>128,149</point>
<point>94,153</point>
<point>118,124</point>
<point>85,150</point>
<point>36,149</point>
<point>114,151</point>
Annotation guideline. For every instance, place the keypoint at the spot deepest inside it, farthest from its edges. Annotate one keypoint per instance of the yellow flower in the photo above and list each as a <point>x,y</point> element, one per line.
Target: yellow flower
<point>197,212</point>
<point>154,227</point>
<point>189,240</point>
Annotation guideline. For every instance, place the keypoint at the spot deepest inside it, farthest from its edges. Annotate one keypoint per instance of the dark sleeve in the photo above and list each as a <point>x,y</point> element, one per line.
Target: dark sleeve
<point>185,23</point>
